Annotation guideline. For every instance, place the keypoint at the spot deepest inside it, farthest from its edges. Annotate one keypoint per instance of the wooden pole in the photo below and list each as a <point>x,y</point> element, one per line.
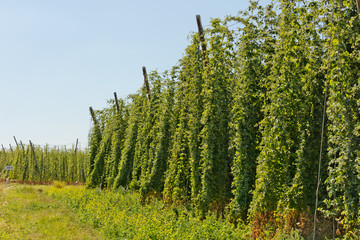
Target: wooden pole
<point>36,165</point>
<point>2,146</point>
<point>358,5</point>
<point>11,148</point>
<point>117,103</point>
<point>22,145</point>
<point>17,145</point>
<point>146,82</point>
<point>76,146</point>
<point>201,37</point>
<point>32,148</point>
<point>93,115</point>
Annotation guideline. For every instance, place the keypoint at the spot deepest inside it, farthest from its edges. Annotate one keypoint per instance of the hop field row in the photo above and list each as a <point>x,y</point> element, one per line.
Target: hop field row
<point>257,122</point>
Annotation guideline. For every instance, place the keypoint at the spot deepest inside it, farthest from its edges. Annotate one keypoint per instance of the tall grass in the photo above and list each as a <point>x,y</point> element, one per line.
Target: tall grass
<point>121,215</point>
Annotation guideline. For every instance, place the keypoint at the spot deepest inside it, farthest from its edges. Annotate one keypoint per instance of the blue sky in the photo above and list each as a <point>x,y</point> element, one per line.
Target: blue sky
<point>57,58</point>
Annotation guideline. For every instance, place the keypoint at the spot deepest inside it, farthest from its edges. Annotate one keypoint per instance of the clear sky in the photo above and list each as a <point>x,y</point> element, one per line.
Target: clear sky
<point>57,58</point>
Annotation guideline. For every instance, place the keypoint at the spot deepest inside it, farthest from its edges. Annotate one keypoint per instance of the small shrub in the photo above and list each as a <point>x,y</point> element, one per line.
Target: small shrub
<point>58,184</point>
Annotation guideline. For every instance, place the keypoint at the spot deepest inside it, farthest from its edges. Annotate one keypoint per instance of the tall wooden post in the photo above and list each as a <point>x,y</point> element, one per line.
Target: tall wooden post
<point>95,121</point>
<point>146,82</point>
<point>17,145</point>
<point>358,5</point>
<point>201,37</point>
<point>76,146</point>
<point>36,165</point>
<point>93,115</point>
<point>32,149</point>
<point>11,148</point>
<point>117,103</point>
<point>22,145</point>
<point>2,146</point>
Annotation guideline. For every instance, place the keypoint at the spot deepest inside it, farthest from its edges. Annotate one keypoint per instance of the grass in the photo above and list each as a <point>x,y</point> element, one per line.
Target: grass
<point>69,212</point>
<point>27,213</point>
<point>120,215</point>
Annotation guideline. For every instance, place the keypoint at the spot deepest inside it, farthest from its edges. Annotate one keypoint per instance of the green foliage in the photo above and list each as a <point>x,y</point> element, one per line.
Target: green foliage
<point>215,161</point>
<point>183,177</point>
<point>192,74</point>
<point>241,124</point>
<point>143,138</point>
<point>106,145</point>
<point>46,164</point>
<point>125,166</point>
<point>292,115</point>
<point>118,139</point>
<point>94,144</point>
<point>343,112</point>
<point>246,108</point>
<point>153,134</point>
<point>120,214</point>
<point>154,181</point>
